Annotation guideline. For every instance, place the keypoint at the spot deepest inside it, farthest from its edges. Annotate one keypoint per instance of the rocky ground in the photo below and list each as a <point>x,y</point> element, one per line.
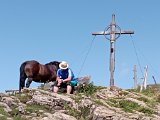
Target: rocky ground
<point>89,103</point>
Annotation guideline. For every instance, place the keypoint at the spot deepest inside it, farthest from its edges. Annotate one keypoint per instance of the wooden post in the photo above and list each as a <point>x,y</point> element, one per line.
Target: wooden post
<point>12,91</point>
<point>111,30</point>
<point>145,77</point>
<point>135,77</point>
<point>154,80</point>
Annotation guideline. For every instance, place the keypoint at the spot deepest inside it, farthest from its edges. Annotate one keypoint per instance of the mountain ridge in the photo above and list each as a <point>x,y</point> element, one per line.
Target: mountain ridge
<point>88,103</point>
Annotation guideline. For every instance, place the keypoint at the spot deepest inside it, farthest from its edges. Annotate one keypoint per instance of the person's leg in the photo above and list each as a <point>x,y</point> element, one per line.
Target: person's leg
<point>55,89</point>
<point>69,89</point>
<point>73,84</point>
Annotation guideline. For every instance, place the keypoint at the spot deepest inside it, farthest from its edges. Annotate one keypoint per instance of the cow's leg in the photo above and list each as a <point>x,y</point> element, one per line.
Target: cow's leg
<point>29,81</point>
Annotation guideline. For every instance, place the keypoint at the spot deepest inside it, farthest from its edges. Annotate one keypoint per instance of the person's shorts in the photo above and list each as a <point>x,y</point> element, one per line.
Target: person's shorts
<point>64,85</point>
<point>73,83</point>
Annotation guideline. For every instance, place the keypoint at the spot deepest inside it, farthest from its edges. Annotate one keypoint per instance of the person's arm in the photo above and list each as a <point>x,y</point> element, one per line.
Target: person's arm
<point>58,78</point>
<point>69,76</point>
<point>68,79</point>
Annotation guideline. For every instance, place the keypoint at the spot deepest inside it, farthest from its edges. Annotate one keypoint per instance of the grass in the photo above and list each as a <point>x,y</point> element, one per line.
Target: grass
<point>158,98</point>
<point>98,102</point>
<point>34,108</point>
<point>149,92</point>
<point>88,89</point>
<point>129,106</point>
<point>18,117</point>
<point>123,93</point>
<point>85,112</point>
<point>125,105</point>
<point>71,111</point>
<point>146,111</point>
<point>24,97</point>
<point>3,118</point>
<point>149,102</point>
<point>82,114</point>
<point>3,112</point>
<point>148,96</point>
<point>77,98</point>
<point>14,114</point>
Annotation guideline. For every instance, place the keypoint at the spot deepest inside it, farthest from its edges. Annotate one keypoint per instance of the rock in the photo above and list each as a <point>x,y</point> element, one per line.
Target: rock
<point>84,80</point>
<point>21,109</point>
<point>86,102</point>
<point>49,86</point>
<point>62,116</point>
<point>41,111</point>
<point>8,100</point>
<point>46,118</point>
<point>33,114</point>
<point>49,115</point>
<point>105,104</point>
<point>102,113</point>
<point>9,118</point>
<point>5,107</point>
<point>1,115</point>
<point>136,101</point>
<point>107,93</point>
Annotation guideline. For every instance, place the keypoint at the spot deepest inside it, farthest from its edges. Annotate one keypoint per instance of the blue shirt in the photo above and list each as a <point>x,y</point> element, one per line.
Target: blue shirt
<point>63,74</point>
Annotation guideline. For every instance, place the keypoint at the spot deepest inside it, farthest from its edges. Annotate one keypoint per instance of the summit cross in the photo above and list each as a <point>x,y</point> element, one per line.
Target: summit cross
<point>114,31</point>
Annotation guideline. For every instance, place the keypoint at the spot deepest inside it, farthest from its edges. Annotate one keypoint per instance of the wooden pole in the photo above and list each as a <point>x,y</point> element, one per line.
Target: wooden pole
<point>112,51</point>
<point>135,77</point>
<point>154,80</point>
<point>145,77</point>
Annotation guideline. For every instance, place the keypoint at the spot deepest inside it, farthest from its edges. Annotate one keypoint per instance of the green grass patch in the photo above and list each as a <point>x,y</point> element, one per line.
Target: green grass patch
<point>24,97</point>
<point>87,89</point>
<point>149,102</point>
<point>123,93</point>
<point>82,114</point>
<point>146,111</point>
<point>3,112</point>
<point>71,111</point>
<point>158,98</point>
<point>85,112</point>
<point>149,92</point>
<point>129,106</point>
<point>144,99</point>
<point>77,98</point>
<point>98,102</point>
<point>19,117</point>
<point>34,108</point>
<point>14,114</point>
<point>3,118</point>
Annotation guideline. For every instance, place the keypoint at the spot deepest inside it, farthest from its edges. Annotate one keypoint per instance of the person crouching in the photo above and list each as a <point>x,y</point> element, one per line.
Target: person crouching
<point>65,78</point>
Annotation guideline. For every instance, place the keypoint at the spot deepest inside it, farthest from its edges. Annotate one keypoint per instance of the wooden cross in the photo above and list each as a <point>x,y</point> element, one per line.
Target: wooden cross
<point>114,34</point>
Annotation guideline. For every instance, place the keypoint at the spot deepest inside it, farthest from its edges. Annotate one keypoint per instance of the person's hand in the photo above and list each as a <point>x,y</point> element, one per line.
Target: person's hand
<point>59,82</point>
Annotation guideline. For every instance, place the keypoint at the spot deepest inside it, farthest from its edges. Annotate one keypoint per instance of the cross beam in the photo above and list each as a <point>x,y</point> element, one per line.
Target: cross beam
<point>108,33</point>
<point>112,31</point>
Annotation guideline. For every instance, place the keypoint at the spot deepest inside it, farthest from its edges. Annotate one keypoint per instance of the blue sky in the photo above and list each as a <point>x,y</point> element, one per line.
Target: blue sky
<point>61,30</point>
